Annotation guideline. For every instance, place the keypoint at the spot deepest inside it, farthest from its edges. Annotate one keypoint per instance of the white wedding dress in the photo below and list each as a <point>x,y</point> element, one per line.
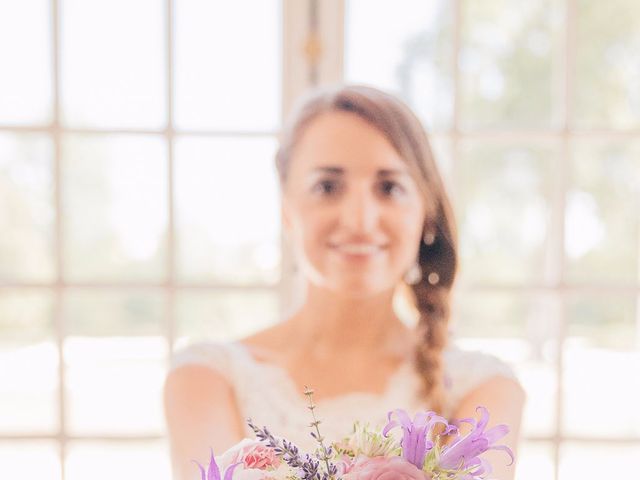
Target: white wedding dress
<point>267,394</point>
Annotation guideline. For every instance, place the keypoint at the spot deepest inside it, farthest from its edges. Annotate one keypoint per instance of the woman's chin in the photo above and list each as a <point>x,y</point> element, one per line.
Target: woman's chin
<point>359,287</point>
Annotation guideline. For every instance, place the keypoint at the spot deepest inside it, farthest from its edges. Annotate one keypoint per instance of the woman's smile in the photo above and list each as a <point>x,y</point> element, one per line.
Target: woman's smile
<point>357,252</point>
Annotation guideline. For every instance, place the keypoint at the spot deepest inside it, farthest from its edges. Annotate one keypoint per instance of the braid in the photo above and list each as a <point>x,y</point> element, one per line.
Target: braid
<point>431,299</point>
<point>432,332</point>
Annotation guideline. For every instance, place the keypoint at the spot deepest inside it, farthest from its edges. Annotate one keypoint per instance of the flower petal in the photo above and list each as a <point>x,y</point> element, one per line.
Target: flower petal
<point>421,419</point>
<point>402,415</point>
<point>214,471</point>
<point>403,419</point>
<point>451,429</point>
<point>484,418</point>
<point>505,449</point>
<point>390,426</point>
<point>496,433</point>
<point>228,474</point>
<point>435,419</point>
<point>480,467</point>
<point>201,470</point>
<point>471,421</point>
<point>462,451</point>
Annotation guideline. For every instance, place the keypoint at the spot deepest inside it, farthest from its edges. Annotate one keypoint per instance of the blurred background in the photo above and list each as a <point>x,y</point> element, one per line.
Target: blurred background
<point>139,204</point>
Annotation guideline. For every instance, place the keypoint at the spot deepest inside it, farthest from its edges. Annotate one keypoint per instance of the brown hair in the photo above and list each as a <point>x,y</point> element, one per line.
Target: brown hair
<point>438,255</point>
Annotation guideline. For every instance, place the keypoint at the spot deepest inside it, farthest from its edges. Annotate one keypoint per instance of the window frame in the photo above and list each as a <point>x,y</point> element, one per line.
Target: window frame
<point>307,25</point>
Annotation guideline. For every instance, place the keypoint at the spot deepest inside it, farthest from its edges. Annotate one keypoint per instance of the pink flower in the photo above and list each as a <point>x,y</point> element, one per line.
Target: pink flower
<point>252,454</point>
<point>384,468</point>
<point>261,457</point>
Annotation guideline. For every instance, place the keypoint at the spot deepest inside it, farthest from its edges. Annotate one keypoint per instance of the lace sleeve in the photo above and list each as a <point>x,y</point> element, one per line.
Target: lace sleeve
<point>213,355</point>
<point>466,370</point>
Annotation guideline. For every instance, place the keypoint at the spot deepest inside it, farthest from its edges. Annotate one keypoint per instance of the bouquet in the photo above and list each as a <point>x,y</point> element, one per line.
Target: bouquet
<point>420,452</point>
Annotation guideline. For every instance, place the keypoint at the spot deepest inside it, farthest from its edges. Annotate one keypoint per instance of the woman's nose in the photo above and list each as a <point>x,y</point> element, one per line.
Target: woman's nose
<point>359,211</point>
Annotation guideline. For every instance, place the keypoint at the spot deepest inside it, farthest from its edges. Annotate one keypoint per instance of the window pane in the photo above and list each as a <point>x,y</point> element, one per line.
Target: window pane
<point>603,212</point>
<point>28,362</point>
<point>406,47</point>
<point>223,315</point>
<point>115,355</point>
<point>30,460</point>
<point>602,367</point>
<point>498,183</point>
<point>108,461</point>
<point>522,331</point>
<point>113,63</point>
<point>506,63</point>
<point>534,461</point>
<point>25,82</point>
<point>26,210</point>
<point>228,64</point>
<point>227,210</point>
<point>607,46</point>
<point>115,207</point>
<point>597,461</point>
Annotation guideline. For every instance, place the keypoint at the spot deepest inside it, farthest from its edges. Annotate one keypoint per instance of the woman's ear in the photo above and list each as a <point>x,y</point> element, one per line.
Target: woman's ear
<point>284,215</point>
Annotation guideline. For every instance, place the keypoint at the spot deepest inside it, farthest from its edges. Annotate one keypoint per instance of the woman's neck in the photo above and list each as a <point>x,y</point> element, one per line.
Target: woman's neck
<point>330,326</point>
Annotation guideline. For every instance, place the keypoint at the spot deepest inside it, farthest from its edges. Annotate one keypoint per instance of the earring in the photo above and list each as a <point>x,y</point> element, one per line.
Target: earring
<point>429,238</point>
<point>413,275</point>
<point>433,278</point>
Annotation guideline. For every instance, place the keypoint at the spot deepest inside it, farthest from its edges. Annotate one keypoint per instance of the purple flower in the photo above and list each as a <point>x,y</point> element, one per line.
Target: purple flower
<point>464,452</point>
<point>415,443</point>
<point>214,472</point>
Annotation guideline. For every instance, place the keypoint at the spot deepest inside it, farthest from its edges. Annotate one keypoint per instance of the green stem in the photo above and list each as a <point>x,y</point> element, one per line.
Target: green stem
<point>309,393</point>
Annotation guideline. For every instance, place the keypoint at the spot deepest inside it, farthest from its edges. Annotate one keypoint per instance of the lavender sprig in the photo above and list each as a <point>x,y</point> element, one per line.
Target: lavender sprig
<point>284,449</point>
<point>331,470</point>
<point>290,454</point>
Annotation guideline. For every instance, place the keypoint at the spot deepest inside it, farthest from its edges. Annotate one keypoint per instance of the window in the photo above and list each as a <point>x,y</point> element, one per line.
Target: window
<point>126,126</point>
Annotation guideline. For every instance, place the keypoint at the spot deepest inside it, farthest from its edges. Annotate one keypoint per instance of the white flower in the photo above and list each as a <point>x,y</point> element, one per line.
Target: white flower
<point>364,441</point>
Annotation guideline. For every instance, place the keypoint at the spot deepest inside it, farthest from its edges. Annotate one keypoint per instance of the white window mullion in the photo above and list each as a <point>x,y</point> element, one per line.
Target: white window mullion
<point>295,80</point>
<point>564,170</point>
<point>295,69</point>
<point>170,319</point>
<point>330,15</point>
<point>455,133</point>
<point>58,313</point>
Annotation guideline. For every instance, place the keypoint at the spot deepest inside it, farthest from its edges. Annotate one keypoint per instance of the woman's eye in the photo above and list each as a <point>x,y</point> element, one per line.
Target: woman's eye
<point>325,187</point>
<point>392,188</point>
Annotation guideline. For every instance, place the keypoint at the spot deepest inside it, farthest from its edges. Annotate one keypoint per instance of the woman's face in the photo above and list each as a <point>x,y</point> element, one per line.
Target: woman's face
<point>350,207</point>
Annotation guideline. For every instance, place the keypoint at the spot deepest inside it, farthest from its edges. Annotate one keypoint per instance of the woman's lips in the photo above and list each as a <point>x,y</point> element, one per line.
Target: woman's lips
<point>360,251</point>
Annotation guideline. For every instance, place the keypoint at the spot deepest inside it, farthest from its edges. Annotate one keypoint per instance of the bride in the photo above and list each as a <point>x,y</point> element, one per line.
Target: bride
<point>367,215</point>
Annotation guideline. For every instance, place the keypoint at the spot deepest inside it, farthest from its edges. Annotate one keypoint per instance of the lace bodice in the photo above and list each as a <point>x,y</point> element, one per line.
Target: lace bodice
<point>267,394</point>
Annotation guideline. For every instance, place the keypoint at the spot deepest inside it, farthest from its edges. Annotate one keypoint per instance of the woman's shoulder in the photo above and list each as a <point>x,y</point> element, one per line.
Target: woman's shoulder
<point>230,359</point>
<point>457,356</point>
<point>466,369</point>
<point>216,355</point>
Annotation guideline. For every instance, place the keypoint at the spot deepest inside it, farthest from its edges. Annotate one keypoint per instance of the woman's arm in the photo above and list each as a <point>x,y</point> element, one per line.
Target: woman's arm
<point>504,398</point>
<point>201,412</point>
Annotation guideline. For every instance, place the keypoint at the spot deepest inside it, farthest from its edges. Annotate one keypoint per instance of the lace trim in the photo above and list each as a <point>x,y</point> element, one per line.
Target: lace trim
<point>260,383</point>
<point>291,390</point>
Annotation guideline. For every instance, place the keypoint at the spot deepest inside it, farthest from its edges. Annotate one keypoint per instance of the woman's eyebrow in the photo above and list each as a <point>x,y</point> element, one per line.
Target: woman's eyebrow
<point>332,170</point>
<point>384,172</point>
<point>393,171</point>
